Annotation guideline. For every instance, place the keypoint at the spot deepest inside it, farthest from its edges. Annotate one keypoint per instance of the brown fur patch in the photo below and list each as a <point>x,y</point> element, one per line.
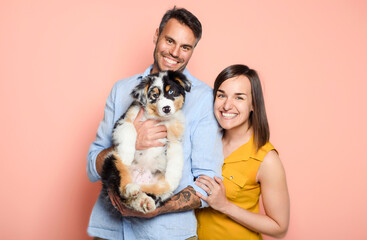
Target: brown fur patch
<point>180,81</point>
<point>146,89</point>
<point>130,116</point>
<point>125,177</point>
<point>156,90</point>
<point>152,110</point>
<point>179,101</point>
<point>168,87</point>
<point>157,189</point>
<point>174,131</point>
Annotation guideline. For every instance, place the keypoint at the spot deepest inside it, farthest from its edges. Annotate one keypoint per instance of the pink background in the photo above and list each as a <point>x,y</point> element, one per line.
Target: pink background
<point>59,60</point>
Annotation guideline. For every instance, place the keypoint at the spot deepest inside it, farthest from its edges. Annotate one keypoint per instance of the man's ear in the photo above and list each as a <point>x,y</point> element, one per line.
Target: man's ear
<point>155,37</point>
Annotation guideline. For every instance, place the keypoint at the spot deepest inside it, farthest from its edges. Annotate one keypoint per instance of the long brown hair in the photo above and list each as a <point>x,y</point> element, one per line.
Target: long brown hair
<point>257,119</point>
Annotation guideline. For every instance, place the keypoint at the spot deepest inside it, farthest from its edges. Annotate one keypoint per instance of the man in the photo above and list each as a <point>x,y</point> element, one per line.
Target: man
<point>175,41</point>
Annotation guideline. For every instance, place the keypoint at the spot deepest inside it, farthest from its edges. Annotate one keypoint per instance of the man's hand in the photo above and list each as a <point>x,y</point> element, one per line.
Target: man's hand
<point>127,212</point>
<point>148,133</point>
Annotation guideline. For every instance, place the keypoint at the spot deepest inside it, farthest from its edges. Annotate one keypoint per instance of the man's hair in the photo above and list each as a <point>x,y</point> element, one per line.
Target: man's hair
<point>257,119</point>
<point>184,17</point>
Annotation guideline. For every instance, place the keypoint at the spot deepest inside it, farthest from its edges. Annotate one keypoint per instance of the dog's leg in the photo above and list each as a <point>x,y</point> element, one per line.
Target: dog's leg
<point>127,189</point>
<point>159,188</point>
<point>124,136</point>
<point>174,155</point>
<point>174,165</point>
<point>131,190</point>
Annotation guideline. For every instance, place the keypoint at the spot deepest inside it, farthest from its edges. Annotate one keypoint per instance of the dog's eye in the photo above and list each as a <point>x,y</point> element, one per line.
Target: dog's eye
<point>154,93</point>
<point>170,92</point>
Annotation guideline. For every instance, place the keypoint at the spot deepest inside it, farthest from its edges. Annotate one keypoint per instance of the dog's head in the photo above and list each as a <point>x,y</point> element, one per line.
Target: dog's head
<point>162,94</point>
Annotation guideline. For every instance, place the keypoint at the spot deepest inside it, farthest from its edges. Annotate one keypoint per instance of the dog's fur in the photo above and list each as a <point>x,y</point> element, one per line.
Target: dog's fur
<point>146,178</point>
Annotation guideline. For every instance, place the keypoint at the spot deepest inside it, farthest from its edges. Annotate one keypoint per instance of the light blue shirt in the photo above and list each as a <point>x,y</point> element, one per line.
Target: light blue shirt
<point>202,153</point>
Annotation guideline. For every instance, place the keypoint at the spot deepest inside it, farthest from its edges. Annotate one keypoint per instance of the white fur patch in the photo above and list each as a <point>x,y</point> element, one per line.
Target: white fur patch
<point>125,137</point>
<point>164,102</point>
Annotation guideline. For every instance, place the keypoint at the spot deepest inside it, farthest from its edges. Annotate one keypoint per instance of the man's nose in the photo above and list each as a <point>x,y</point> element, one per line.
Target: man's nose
<point>175,51</point>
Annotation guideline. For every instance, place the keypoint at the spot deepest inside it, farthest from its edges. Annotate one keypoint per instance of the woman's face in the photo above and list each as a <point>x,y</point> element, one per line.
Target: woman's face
<point>233,103</point>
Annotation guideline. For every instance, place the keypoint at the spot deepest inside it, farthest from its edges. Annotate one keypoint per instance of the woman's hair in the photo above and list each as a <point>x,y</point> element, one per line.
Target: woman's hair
<point>184,17</point>
<point>257,119</point>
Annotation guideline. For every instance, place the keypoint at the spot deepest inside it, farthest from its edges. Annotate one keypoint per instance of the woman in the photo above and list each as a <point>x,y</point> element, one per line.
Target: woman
<point>251,166</point>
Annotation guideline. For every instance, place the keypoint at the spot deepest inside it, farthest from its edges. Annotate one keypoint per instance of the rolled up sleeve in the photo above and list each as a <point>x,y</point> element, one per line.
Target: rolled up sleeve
<point>207,153</point>
<point>103,138</point>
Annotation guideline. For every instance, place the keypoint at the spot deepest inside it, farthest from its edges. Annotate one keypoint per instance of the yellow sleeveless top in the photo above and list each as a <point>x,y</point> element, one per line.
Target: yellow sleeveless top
<point>239,177</point>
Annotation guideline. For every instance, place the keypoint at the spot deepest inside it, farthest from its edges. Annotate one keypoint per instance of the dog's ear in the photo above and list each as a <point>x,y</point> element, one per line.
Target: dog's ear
<point>140,91</point>
<point>181,79</point>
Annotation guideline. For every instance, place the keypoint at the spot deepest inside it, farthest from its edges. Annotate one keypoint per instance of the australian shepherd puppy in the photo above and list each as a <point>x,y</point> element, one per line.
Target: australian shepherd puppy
<point>146,178</point>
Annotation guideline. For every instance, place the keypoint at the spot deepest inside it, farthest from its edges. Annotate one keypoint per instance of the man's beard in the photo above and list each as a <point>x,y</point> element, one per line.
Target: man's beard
<point>155,56</point>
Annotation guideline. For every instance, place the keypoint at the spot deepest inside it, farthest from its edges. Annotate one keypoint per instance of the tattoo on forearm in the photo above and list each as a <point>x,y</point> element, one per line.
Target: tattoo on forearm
<point>182,201</point>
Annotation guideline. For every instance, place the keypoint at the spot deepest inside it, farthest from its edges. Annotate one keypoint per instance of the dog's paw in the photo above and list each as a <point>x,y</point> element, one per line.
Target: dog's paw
<point>147,204</point>
<point>143,203</point>
<point>132,190</point>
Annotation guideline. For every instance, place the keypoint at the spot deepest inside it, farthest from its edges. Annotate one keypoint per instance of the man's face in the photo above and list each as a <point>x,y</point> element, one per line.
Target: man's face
<point>174,47</point>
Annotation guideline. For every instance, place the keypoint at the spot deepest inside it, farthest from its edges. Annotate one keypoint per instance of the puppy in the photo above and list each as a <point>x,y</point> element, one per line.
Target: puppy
<point>144,179</point>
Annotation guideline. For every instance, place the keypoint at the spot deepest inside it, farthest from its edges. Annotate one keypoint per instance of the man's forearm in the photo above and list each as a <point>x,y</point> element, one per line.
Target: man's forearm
<point>100,159</point>
<point>182,201</point>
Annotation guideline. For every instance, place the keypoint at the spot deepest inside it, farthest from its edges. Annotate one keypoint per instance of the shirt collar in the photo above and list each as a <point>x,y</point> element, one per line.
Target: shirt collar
<point>243,153</point>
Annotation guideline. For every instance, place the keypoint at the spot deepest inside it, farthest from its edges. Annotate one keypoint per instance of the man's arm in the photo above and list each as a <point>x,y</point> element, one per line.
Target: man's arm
<point>185,200</point>
<point>207,150</point>
<point>98,149</point>
<point>101,157</point>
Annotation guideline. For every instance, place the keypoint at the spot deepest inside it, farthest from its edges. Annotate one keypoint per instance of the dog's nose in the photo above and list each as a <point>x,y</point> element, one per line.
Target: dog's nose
<point>166,109</point>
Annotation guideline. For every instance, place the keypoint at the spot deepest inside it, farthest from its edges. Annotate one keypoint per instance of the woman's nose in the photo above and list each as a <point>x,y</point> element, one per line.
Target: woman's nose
<point>227,104</point>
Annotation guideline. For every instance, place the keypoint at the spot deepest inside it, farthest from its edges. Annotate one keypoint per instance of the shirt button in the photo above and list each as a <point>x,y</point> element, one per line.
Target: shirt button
<point>231,177</point>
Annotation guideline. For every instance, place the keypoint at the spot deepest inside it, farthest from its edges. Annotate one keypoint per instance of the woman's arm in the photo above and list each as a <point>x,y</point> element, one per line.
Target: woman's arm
<point>271,176</point>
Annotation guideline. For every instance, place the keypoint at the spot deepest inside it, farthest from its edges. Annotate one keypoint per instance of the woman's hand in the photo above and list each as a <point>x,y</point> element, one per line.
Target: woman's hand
<point>216,192</point>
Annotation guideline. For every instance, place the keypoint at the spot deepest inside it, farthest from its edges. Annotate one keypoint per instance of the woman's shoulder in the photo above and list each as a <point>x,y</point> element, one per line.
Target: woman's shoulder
<point>271,167</point>
<point>266,149</point>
